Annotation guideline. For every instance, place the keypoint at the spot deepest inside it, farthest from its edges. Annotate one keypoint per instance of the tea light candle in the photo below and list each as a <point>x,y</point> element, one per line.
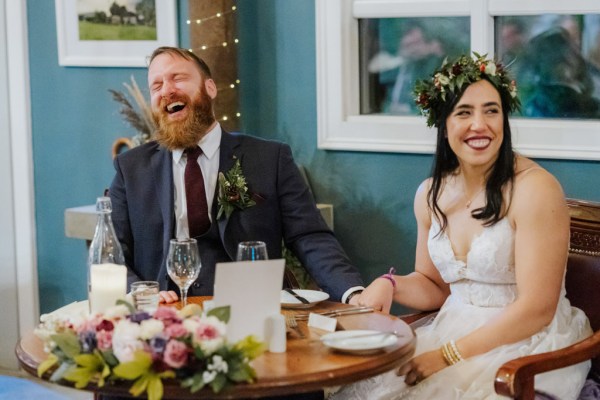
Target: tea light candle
<point>108,283</point>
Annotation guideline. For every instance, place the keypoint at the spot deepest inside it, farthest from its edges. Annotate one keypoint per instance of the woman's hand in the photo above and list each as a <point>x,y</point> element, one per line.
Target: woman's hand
<point>378,295</point>
<point>168,296</point>
<point>422,366</point>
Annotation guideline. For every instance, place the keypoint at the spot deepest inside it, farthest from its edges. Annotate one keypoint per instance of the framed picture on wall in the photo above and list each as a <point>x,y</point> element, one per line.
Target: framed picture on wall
<point>113,33</point>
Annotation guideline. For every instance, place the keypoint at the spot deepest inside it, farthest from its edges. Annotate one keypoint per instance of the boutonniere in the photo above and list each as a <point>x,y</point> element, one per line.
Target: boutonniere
<point>233,191</point>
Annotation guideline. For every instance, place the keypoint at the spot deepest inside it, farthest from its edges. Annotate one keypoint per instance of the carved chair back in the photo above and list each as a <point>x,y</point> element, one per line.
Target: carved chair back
<point>583,266</point>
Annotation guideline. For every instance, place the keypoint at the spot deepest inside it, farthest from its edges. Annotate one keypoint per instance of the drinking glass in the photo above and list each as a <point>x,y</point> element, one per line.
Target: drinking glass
<point>145,295</point>
<point>252,251</point>
<point>183,264</point>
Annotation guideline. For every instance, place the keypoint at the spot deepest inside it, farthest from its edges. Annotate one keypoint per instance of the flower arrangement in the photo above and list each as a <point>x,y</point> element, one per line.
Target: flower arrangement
<point>122,344</point>
<point>233,191</point>
<point>453,77</point>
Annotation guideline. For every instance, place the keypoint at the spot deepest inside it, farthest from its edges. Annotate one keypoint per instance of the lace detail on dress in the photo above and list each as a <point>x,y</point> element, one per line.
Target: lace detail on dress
<point>487,279</point>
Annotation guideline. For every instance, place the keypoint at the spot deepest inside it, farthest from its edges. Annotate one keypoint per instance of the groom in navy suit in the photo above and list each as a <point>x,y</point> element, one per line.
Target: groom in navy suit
<point>150,204</point>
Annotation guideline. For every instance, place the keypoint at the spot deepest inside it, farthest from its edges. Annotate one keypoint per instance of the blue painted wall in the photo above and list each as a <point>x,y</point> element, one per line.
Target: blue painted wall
<point>75,122</point>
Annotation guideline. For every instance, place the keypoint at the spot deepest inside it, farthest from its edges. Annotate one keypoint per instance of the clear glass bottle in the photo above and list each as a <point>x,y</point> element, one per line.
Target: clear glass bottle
<point>107,274</point>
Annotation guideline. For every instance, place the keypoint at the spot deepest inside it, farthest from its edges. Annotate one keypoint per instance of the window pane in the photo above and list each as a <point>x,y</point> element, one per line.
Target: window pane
<point>395,52</point>
<point>556,61</point>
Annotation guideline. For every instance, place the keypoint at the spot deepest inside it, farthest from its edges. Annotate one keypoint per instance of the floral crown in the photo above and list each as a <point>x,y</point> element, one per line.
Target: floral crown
<point>454,77</point>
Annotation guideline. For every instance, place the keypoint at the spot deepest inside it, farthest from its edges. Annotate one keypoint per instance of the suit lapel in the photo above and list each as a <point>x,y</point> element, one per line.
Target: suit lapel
<point>227,157</point>
<point>162,169</point>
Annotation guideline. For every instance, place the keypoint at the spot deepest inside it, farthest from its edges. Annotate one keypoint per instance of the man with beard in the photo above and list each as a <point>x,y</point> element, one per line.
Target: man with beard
<point>150,202</point>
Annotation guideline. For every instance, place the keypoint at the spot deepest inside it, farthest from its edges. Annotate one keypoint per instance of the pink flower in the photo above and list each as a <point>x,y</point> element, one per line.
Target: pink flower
<point>176,330</point>
<point>206,332</point>
<point>88,324</point>
<point>168,315</point>
<point>104,339</point>
<point>176,354</point>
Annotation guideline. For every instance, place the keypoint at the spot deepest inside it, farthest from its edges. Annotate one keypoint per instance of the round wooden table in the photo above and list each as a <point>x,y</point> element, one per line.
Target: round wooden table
<point>306,366</point>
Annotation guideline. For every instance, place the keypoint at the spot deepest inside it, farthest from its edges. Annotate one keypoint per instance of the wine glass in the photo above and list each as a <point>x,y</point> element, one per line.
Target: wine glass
<point>183,264</point>
<point>252,251</point>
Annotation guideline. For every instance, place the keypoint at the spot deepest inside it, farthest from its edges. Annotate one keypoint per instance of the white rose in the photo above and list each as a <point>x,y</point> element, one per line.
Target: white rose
<point>490,69</point>
<point>442,79</point>
<point>118,311</point>
<point>150,328</point>
<point>126,340</point>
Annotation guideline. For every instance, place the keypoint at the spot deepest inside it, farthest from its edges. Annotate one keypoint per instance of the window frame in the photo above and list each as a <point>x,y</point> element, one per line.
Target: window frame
<point>340,126</point>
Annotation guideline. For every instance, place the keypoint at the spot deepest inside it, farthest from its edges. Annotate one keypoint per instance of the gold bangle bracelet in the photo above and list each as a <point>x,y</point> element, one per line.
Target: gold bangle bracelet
<point>455,350</point>
<point>447,355</point>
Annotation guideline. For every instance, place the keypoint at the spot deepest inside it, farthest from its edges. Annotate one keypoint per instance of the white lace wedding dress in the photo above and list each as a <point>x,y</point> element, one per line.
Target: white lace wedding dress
<point>480,288</point>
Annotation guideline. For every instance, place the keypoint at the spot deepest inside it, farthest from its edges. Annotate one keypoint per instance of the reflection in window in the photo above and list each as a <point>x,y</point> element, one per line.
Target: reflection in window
<point>556,60</point>
<point>395,52</point>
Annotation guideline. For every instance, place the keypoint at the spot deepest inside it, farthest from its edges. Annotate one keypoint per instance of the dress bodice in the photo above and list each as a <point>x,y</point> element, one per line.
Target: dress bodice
<point>487,278</point>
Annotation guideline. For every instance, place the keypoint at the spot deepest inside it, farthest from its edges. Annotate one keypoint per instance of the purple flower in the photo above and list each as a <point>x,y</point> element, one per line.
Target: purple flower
<point>88,341</point>
<point>158,344</point>
<point>176,354</point>
<point>139,316</point>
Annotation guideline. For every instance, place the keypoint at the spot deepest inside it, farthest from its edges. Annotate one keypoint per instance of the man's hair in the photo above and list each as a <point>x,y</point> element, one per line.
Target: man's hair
<point>185,54</point>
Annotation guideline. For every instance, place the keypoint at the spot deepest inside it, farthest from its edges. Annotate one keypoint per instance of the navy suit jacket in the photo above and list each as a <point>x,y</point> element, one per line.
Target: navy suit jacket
<point>142,194</point>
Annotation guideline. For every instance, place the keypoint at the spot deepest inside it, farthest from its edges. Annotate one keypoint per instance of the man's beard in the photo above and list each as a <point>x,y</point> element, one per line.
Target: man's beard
<point>186,133</point>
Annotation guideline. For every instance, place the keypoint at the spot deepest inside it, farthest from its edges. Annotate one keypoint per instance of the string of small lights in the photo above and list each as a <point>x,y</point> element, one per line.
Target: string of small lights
<point>203,47</point>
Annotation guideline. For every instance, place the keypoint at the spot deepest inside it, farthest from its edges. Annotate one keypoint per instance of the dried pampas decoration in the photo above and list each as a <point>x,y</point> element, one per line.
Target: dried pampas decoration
<point>139,117</point>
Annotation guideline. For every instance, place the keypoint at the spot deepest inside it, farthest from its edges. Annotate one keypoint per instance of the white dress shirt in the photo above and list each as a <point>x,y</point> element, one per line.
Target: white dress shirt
<point>209,164</point>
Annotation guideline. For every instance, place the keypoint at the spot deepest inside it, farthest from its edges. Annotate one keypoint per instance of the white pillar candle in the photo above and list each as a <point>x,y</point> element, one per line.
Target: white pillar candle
<point>108,283</point>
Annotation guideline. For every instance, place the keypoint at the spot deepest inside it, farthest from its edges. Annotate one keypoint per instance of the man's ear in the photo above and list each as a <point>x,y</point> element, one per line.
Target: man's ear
<point>211,88</point>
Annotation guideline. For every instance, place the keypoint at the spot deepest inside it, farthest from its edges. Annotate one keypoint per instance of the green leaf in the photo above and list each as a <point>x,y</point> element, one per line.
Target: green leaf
<point>68,343</point>
<point>222,313</point>
<point>251,347</point>
<point>46,364</point>
<point>126,304</point>
<point>81,376</point>
<point>218,383</point>
<point>140,385</point>
<point>90,361</point>
<point>195,382</point>
<point>140,365</point>
<point>242,373</point>
<point>155,387</point>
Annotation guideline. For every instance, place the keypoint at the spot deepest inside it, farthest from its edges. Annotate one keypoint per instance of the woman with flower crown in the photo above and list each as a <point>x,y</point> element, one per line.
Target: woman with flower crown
<point>493,236</point>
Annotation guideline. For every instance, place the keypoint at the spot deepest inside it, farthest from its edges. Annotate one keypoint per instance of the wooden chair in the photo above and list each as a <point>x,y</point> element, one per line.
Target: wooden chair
<point>515,378</point>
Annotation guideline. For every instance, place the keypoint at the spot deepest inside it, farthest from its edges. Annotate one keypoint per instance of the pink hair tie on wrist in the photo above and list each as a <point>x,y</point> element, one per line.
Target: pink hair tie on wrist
<point>389,277</point>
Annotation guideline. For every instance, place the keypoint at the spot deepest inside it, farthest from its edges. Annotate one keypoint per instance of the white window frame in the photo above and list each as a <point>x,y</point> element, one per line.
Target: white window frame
<point>342,127</point>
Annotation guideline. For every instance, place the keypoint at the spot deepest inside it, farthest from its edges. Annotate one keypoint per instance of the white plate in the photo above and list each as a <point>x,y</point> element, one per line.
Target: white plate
<point>359,341</point>
<point>313,296</point>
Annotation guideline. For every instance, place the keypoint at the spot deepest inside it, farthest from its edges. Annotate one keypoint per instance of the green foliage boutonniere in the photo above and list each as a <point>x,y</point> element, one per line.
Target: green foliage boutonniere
<point>233,191</point>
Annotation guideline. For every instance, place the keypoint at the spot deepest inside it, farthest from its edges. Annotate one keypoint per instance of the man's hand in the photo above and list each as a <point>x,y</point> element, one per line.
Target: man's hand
<point>168,296</point>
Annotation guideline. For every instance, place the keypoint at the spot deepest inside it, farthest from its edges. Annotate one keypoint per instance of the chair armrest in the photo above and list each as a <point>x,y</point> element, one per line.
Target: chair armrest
<point>516,377</point>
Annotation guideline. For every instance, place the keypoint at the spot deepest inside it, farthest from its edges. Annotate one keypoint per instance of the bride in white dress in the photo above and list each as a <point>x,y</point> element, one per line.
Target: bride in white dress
<point>493,234</point>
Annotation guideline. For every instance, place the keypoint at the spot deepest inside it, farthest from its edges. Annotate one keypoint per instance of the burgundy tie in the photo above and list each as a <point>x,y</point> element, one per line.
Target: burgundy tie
<point>197,208</point>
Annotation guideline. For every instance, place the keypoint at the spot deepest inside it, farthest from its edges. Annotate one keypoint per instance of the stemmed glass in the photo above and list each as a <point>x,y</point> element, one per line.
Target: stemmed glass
<point>252,251</point>
<point>183,264</point>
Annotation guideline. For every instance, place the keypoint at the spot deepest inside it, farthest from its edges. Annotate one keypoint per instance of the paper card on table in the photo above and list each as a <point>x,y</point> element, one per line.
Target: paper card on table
<point>322,322</point>
<point>252,289</point>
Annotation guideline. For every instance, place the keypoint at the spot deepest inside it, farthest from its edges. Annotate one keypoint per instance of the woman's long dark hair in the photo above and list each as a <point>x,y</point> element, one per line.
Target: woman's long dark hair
<point>445,163</point>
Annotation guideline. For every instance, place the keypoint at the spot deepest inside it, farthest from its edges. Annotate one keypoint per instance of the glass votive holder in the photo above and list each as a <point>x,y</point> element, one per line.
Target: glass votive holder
<point>145,295</point>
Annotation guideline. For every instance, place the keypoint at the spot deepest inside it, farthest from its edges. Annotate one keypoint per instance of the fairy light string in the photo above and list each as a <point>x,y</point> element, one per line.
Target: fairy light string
<point>208,46</point>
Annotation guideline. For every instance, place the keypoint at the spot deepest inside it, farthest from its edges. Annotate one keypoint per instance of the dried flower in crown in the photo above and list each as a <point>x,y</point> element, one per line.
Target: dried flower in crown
<point>454,77</point>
